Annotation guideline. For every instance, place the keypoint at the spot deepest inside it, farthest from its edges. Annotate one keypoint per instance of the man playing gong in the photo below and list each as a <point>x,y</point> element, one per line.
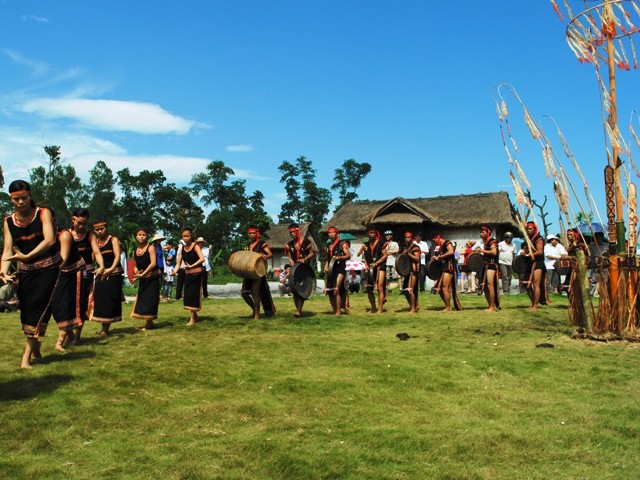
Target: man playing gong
<point>335,267</point>
<point>446,284</point>
<point>490,277</point>
<point>375,258</point>
<point>300,250</point>
<point>410,283</point>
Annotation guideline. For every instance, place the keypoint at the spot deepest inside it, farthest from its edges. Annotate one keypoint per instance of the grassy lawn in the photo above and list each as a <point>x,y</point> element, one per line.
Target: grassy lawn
<point>468,396</point>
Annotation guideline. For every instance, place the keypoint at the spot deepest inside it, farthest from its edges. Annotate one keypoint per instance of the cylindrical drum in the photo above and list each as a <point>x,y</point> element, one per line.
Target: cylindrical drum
<point>247,264</point>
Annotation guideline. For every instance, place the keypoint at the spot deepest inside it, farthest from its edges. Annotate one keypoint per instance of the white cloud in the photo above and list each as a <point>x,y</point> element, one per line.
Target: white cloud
<point>37,67</point>
<point>35,18</point>
<point>247,174</point>
<point>110,115</point>
<point>21,151</point>
<point>239,148</point>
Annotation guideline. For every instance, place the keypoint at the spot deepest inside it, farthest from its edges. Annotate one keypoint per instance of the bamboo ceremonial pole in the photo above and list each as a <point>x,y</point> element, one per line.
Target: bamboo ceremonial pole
<point>616,231</point>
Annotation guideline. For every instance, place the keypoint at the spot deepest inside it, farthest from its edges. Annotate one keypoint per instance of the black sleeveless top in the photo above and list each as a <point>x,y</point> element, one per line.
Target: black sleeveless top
<point>143,261</point>
<point>372,255</point>
<point>108,255</point>
<point>190,257</point>
<point>448,264</point>
<point>297,254</point>
<point>488,258</point>
<point>27,237</point>
<point>84,248</point>
<point>259,246</point>
<point>336,251</point>
<point>75,261</point>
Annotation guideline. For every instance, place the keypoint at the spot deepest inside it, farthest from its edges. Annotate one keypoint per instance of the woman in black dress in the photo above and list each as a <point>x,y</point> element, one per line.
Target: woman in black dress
<point>148,275</point>
<point>107,292</point>
<point>191,255</point>
<point>30,240</point>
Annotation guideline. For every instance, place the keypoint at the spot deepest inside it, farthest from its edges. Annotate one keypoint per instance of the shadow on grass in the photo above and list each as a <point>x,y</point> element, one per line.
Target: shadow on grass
<point>24,388</point>
<point>64,357</point>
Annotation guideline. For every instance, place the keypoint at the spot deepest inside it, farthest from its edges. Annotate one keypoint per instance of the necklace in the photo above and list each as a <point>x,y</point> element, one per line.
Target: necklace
<point>26,221</point>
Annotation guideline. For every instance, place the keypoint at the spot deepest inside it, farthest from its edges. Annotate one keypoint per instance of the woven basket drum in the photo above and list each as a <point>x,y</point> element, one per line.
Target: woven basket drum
<point>247,264</point>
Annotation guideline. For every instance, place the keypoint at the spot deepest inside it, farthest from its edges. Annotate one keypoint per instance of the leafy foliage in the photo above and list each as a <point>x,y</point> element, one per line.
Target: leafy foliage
<point>306,201</point>
<point>57,186</point>
<point>347,180</point>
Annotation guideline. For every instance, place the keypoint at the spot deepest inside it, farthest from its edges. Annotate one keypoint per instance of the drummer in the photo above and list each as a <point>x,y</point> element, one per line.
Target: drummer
<point>375,259</point>
<point>490,277</point>
<point>256,292</point>
<point>410,283</point>
<point>300,250</point>
<point>335,267</point>
<point>446,284</point>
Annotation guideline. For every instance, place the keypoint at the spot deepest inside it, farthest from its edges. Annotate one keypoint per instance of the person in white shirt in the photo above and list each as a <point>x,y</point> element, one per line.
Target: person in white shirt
<point>424,258</point>
<point>392,253</point>
<point>207,266</point>
<point>506,254</point>
<point>553,250</point>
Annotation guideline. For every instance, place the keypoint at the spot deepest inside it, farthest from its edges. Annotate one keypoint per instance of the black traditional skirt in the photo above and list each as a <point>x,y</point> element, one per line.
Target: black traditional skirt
<point>192,297</point>
<point>66,307</point>
<point>35,293</point>
<point>265,294</point>
<point>107,299</point>
<point>147,299</point>
<point>86,299</point>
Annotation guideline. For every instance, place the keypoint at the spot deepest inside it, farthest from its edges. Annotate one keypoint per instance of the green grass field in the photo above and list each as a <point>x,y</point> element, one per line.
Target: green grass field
<point>468,396</point>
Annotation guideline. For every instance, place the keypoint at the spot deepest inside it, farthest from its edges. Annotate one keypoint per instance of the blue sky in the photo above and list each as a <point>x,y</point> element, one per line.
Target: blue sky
<point>406,86</point>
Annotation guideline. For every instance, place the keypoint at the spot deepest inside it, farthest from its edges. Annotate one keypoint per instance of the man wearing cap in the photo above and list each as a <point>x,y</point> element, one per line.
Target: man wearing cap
<point>506,254</point>
<point>392,252</point>
<point>553,250</point>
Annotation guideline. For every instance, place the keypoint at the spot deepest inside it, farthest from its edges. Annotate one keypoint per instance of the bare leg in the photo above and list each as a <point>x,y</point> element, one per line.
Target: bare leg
<point>445,291</point>
<point>382,289</point>
<point>105,330</point>
<point>489,289</point>
<point>536,287</point>
<point>299,303</point>
<point>257,299</point>
<point>413,284</point>
<point>62,340</point>
<point>31,348</point>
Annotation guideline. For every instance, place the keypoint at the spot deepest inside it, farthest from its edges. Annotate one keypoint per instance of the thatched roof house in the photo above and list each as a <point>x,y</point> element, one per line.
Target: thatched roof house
<point>456,217</point>
<point>278,236</point>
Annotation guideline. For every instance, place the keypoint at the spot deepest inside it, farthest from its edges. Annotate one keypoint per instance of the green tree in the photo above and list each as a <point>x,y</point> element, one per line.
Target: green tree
<point>176,210</point>
<point>292,209</point>
<point>347,180</point>
<point>138,205</point>
<point>57,186</point>
<point>102,200</point>
<point>306,201</point>
<point>224,226</point>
